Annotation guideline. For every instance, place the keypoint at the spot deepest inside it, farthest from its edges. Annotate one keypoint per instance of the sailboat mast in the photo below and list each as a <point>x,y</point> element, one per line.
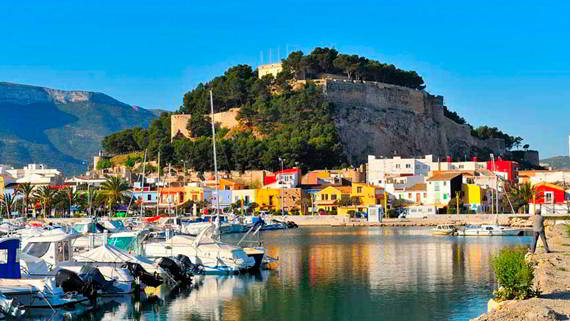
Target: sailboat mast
<point>142,185</point>
<point>158,184</point>
<point>215,158</point>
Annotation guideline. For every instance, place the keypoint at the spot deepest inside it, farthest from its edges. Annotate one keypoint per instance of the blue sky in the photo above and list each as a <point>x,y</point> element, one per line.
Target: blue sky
<point>498,63</point>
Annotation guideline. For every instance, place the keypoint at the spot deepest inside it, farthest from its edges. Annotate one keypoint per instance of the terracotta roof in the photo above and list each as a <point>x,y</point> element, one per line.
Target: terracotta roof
<point>420,187</point>
<point>344,189</point>
<point>443,177</point>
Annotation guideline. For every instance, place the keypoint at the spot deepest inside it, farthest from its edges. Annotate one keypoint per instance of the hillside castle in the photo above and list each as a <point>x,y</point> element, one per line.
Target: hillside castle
<point>381,119</point>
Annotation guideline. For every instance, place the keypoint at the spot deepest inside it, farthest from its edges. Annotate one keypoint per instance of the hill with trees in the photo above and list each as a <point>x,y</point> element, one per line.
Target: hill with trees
<point>299,125</point>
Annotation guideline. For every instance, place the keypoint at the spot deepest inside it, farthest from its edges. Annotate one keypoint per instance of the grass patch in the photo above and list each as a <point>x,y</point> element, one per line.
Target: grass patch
<point>514,274</point>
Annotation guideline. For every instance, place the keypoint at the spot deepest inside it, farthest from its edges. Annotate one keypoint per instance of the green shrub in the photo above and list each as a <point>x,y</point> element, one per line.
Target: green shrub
<point>514,275</point>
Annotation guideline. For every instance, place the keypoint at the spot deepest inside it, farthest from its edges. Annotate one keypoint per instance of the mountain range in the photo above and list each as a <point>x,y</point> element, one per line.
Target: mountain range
<point>62,129</point>
<point>558,162</point>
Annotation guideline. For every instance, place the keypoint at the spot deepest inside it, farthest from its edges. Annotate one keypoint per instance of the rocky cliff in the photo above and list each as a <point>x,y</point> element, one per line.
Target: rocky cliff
<point>381,119</point>
<point>57,127</point>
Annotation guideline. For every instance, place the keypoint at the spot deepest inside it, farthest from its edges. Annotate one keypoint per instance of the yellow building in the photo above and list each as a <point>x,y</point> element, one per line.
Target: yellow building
<point>329,198</point>
<point>472,194</point>
<point>268,198</point>
<point>367,194</point>
<point>178,196</point>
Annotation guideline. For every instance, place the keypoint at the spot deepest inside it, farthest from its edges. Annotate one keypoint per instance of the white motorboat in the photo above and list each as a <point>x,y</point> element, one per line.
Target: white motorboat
<point>443,229</point>
<point>490,230</point>
<point>216,257</point>
<point>45,255</point>
<point>31,292</point>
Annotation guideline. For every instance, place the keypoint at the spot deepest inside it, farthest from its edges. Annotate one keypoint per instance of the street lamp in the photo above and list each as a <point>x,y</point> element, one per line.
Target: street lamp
<point>281,183</point>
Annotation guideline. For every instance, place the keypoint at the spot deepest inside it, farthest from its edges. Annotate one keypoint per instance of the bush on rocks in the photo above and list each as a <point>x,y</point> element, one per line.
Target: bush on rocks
<point>514,274</point>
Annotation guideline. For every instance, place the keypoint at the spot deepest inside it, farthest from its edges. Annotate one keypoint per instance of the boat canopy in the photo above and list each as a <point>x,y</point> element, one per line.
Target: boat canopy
<point>10,258</point>
<point>52,236</point>
<point>111,254</point>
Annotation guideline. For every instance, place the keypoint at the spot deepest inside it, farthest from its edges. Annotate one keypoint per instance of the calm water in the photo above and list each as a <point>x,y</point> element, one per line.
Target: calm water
<point>341,274</point>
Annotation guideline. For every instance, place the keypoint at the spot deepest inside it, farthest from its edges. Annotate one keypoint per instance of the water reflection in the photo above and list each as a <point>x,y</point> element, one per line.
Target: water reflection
<point>340,274</point>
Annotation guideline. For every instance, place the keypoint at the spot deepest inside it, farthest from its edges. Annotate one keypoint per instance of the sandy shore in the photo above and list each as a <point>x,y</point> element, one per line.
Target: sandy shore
<point>552,276</point>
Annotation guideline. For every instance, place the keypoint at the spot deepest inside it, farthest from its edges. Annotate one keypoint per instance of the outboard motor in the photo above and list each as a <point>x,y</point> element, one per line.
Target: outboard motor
<point>69,281</point>
<point>139,272</point>
<point>92,275</point>
<point>291,224</point>
<point>187,265</point>
<point>174,269</point>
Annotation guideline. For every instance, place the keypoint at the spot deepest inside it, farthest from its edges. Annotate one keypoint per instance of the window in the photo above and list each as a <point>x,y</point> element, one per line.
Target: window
<point>461,166</point>
<point>548,197</point>
<point>417,166</point>
<point>436,186</point>
<point>425,195</point>
<point>3,256</point>
<point>379,181</point>
<point>397,165</point>
<point>333,197</point>
<point>445,196</point>
<point>444,183</point>
<point>359,189</point>
<point>408,166</point>
<point>37,249</point>
<point>409,195</point>
<point>148,197</point>
<point>247,199</point>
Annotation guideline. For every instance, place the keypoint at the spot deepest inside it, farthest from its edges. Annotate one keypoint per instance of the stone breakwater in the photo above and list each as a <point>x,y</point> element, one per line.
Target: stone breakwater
<point>552,277</point>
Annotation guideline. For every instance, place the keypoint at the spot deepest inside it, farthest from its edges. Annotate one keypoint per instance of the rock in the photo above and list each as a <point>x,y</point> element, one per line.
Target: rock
<point>493,305</point>
<point>545,313</point>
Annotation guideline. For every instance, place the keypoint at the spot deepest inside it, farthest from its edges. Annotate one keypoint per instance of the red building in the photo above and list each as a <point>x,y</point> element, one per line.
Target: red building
<point>547,193</point>
<point>508,169</point>
<point>290,177</point>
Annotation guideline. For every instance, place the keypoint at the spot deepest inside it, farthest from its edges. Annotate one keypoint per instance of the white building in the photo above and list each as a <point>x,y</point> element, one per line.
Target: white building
<point>379,168</point>
<point>416,194</point>
<point>441,188</point>
<point>36,174</point>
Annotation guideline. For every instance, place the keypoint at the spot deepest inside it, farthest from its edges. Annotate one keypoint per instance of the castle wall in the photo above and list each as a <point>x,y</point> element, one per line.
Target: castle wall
<point>179,122</point>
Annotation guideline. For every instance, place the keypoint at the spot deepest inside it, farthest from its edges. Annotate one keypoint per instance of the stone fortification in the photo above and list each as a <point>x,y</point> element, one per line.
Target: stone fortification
<point>179,122</point>
<point>383,120</point>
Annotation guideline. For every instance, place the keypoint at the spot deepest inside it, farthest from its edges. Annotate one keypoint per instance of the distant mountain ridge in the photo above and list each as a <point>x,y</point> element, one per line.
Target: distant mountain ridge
<point>60,128</point>
<point>557,162</point>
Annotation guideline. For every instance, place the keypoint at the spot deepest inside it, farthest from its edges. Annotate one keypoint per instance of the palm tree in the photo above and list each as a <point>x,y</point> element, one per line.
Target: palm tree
<point>9,201</point>
<point>26,189</point>
<point>113,191</point>
<point>46,196</point>
<point>523,194</point>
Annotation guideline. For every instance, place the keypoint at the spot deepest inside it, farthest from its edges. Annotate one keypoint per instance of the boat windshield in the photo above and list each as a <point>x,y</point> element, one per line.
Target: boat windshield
<point>126,243</point>
<point>37,249</point>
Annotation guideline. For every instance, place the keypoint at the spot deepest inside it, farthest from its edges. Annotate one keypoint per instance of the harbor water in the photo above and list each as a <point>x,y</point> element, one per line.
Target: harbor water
<point>326,273</point>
